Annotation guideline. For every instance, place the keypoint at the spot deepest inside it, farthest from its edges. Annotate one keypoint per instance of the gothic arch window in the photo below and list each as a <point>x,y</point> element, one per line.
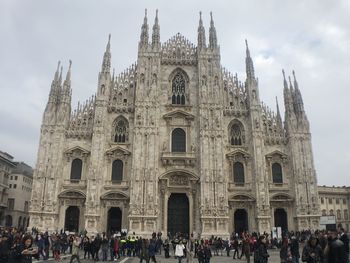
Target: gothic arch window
<point>238,173</point>
<point>117,170</point>
<point>121,131</point>
<point>178,140</point>
<point>76,169</point>
<point>277,177</point>
<point>178,87</point>
<point>236,134</point>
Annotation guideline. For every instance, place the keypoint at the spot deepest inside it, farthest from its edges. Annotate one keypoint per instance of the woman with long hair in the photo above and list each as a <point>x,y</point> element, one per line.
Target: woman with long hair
<point>26,250</point>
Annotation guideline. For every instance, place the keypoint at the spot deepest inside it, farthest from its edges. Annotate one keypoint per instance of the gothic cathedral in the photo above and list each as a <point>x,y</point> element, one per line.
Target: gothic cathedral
<point>175,143</point>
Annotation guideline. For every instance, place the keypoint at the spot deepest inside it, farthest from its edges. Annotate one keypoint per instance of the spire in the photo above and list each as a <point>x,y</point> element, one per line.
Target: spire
<point>106,63</point>
<point>212,33</point>
<point>201,33</point>
<point>249,63</point>
<point>284,80</point>
<point>144,32</point>
<point>156,33</point>
<point>279,119</point>
<point>69,71</point>
<point>298,98</point>
<point>57,71</point>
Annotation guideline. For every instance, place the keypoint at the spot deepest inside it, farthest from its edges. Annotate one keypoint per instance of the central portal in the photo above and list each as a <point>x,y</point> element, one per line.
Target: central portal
<point>114,220</point>
<point>178,215</point>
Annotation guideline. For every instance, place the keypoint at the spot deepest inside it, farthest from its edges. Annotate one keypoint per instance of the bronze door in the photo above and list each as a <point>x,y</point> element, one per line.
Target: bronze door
<point>178,215</point>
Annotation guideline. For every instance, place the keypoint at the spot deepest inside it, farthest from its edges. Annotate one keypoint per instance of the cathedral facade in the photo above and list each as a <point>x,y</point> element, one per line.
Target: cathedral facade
<point>175,143</point>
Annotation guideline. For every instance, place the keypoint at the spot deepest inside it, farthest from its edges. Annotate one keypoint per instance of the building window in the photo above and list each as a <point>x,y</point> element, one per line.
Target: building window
<point>338,215</point>
<point>322,200</point>
<point>324,212</point>
<point>10,185</point>
<point>10,204</point>
<point>117,170</point>
<point>121,134</point>
<point>178,140</point>
<point>15,186</point>
<point>16,177</point>
<point>178,89</point>
<point>337,201</point>
<point>346,215</point>
<point>26,206</point>
<point>277,177</point>
<point>330,201</point>
<point>238,173</point>
<point>331,212</point>
<point>344,201</point>
<point>76,169</point>
<point>236,137</point>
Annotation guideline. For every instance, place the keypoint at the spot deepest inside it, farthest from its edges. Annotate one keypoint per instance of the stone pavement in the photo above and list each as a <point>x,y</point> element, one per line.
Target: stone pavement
<point>274,258</point>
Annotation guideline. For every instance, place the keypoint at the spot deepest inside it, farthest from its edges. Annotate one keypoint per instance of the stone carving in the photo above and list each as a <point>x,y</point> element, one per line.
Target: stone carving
<point>179,180</point>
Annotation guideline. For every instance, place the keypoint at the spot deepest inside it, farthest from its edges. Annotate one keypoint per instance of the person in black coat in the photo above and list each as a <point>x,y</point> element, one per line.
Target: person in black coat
<point>312,252</point>
<point>260,254</point>
<point>336,250</point>
<point>345,239</point>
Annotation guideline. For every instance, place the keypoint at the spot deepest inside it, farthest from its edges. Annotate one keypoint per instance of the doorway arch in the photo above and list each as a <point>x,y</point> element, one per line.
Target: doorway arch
<point>281,219</point>
<point>240,221</point>
<point>178,214</point>
<point>114,220</point>
<point>72,219</point>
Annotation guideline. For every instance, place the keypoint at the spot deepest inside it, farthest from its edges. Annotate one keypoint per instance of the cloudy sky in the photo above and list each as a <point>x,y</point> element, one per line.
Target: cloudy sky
<point>312,37</point>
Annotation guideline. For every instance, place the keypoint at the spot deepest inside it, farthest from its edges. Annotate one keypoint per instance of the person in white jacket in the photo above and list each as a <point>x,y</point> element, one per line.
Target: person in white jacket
<point>179,251</point>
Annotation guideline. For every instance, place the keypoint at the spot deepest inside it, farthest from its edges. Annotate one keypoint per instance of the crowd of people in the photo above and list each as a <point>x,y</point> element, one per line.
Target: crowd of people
<point>17,246</point>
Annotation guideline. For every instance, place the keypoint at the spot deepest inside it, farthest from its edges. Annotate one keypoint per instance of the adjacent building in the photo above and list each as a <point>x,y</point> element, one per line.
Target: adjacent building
<point>175,143</point>
<point>335,201</point>
<point>19,193</point>
<point>6,166</point>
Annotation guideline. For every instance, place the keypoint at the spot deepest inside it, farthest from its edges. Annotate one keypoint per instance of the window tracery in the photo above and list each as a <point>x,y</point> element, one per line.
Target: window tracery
<point>236,135</point>
<point>178,90</point>
<point>238,173</point>
<point>121,132</point>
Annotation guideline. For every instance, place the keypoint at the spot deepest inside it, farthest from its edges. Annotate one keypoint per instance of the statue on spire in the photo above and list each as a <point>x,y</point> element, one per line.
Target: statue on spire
<point>144,32</point>
<point>201,33</point>
<point>106,63</point>
<point>249,63</point>
<point>212,33</point>
<point>156,33</point>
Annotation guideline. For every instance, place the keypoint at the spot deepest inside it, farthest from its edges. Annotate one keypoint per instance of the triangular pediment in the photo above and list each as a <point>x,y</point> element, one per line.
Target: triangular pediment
<point>236,152</point>
<point>117,150</point>
<point>179,114</point>
<point>77,149</point>
<point>277,153</point>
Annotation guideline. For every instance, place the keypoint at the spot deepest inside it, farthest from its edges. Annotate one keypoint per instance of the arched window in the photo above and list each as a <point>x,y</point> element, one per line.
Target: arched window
<point>338,214</point>
<point>331,212</point>
<point>324,212</point>
<point>117,170</point>
<point>277,173</point>
<point>75,172</point>
<point>178,140</point>
<point>178,89</point>
<point>238,173</point>
<point>346,215</point>
<point>121,133</point>
<point>236,135</point>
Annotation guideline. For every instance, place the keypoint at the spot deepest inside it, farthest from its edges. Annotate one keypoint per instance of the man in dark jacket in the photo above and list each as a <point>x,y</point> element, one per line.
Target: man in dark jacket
<point>345,239</point>
<point>260,254</point>
<point>294,249</point>
<point>336,253</point>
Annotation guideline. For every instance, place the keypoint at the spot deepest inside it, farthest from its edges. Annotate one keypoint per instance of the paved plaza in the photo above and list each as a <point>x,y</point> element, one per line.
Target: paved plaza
<point>274,258</point>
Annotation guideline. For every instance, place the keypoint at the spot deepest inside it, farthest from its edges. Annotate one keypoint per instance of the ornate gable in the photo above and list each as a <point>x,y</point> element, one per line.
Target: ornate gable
<point>179,51</point>
<point>238,153</point>
<point>179,117</point>
<point>117,152</point>
<point>277,154</point>
<point>76,152</point>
